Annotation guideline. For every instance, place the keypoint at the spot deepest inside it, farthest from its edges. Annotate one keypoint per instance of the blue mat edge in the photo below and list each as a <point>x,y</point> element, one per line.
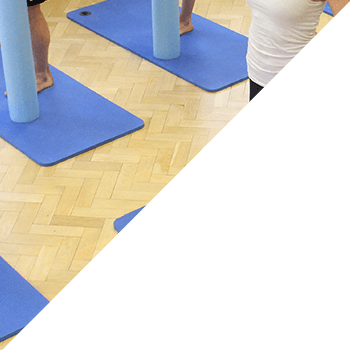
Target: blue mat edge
<point>69,16</point>
<point>96,145</point>
<point>87,149</point>
<point>93,146</point>
<point>125,219</point>
<point>83,151</point>
<point>9,335</point>
<point>60,160</point>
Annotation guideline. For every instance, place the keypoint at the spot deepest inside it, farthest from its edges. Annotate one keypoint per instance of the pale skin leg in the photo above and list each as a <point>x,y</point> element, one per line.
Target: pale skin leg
<point>185,16</point>
<point>40,42</point>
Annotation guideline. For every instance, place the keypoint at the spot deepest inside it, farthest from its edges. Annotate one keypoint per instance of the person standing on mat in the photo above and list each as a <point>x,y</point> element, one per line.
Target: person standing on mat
<point>279,30</point>
<point>40,42</point>
<point>186,16</point>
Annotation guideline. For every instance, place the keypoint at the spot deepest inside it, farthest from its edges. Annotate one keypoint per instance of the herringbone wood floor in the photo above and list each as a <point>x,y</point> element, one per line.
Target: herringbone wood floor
<point>54,220</point>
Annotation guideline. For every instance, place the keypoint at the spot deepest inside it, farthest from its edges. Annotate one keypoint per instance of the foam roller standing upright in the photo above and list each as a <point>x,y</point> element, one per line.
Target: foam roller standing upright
<point>18,63</point>
<point>166,29</point>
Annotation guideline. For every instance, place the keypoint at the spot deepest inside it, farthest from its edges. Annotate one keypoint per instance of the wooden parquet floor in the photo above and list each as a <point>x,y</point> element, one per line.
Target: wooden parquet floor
<point>54,220</point>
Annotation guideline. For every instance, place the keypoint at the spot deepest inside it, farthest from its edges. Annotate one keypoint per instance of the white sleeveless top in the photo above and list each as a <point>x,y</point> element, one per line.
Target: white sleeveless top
<point>278,32</point>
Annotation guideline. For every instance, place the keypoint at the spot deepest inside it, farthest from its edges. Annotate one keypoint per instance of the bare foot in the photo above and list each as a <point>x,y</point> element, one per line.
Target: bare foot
<point>185,27</point>
<point>43,81</point>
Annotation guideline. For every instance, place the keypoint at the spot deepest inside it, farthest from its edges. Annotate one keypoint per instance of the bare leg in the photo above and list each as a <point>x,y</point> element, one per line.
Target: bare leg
<point>185,16</point>
<point>40,42</point>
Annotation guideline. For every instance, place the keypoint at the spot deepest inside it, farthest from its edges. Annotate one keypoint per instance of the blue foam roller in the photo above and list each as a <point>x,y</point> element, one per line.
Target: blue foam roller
<point>166,29</point>
<point>18,63</point>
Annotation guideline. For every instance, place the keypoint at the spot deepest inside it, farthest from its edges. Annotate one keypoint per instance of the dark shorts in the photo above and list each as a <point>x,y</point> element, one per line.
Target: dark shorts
<point>34,2</point>
<point>254,89</point>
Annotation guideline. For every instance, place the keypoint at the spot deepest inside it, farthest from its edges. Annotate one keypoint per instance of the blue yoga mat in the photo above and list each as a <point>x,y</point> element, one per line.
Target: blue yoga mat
<point>328,10</point>
<point>212,57</point>
<point>121,222</point>
<point>73,119</point>
<point>20,302</point>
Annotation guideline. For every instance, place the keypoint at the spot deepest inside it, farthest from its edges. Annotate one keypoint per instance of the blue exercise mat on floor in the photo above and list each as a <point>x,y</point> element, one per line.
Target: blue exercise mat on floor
<point>121,222</point>
<point>73,119</point>
<point>212,56</point>
<point>328,10</point>
<point>20,302</point>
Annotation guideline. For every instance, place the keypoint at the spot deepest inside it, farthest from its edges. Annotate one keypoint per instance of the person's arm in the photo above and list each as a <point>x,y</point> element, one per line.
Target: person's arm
<point>337,5</point>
